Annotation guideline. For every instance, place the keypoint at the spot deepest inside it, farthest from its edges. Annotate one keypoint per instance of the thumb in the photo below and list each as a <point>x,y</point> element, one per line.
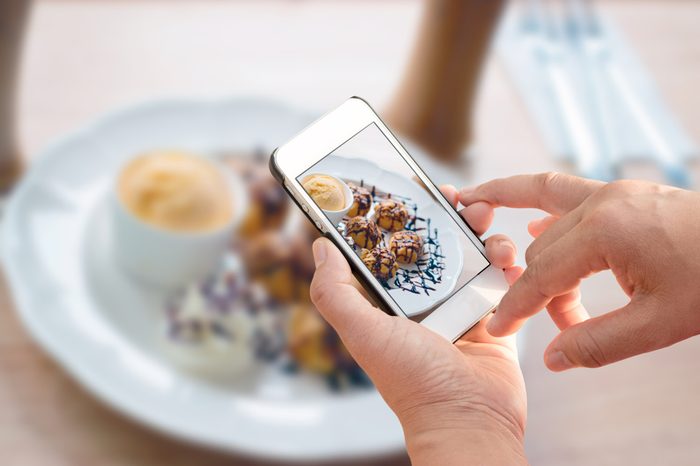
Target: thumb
<point>618,335</point>
<point>338,301</point>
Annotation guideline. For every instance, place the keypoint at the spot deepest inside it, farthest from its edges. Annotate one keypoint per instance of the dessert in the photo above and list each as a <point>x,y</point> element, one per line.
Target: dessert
<point>328,192</point>
<point>381,262</point>
<point>221,325</point>
<point>361,201</point>
<point>307,332</point>
<point>269,204</point>
<point>176,191</point>
<point>406,245</point>
<point>314,346</point>
<point>363,232</point>
<point>255,308</point>
<point>283,266</point>
<point>391,215</point>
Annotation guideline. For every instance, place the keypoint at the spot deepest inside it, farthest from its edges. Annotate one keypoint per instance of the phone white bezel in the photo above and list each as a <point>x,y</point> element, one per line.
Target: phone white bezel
<point>466,306</point>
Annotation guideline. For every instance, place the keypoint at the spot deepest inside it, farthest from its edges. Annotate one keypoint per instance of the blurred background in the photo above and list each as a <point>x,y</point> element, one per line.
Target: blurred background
<point>478,89</point>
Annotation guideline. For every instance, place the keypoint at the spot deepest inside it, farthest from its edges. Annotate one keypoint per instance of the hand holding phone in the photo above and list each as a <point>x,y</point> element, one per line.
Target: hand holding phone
<point>370,200</point>
<point>454,401</point>
<point>407,245</point>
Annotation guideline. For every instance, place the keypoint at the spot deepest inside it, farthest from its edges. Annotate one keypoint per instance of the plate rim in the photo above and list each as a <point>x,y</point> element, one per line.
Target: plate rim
<point>77,368</point>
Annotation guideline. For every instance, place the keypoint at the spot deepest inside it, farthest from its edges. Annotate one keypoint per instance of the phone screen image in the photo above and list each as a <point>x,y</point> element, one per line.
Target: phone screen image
<point>395,226</point>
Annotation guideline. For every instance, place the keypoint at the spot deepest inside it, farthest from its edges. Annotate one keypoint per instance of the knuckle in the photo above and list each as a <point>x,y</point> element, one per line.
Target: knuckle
<point>548,180</point>
<point>606,228</point>
<point>589,351</point>
<point>533,281</point>
<point>620,188</point>
<point>603,217</point>
<point>531,253</point>
<point>319,293</point>
<point>489,191</point>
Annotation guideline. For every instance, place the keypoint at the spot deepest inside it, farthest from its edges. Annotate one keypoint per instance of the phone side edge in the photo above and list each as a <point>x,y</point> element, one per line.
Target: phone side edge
<point>377,299</point>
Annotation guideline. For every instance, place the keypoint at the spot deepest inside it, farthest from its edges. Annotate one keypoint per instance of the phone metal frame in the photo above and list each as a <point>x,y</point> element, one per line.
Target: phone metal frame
<point>466,306</point>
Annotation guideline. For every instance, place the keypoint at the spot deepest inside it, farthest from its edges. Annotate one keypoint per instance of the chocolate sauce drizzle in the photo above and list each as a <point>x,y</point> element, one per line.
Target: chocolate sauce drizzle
<point>406,245</point>
<point>428,269</point>
<point>362,198</point>
<point>422,276</point>
<point>380,261</point>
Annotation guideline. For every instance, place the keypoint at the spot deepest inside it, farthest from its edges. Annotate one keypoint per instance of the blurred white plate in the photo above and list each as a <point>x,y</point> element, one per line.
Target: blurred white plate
<point>103,329</point>
<point>372,175</point>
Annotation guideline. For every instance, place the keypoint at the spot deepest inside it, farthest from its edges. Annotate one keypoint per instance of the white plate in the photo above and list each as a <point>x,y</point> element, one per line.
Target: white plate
<point>387,181</point>
<point>100,327</point>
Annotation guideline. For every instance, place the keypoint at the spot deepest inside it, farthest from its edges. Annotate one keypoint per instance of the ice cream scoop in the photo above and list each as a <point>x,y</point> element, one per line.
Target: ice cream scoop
<point>331,194</point>
<point>327,191</point>
<point>176,191</point>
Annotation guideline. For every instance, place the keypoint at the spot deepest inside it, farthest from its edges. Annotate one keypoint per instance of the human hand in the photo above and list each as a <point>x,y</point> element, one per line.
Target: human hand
<point>454,401</point>
<point>647,234</point>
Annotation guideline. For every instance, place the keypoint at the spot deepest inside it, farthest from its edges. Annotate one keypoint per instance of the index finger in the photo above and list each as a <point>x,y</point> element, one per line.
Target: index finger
<point>552,192</point>
<point>450,193</point>
<point>556,271</point>
<point>479,216</point>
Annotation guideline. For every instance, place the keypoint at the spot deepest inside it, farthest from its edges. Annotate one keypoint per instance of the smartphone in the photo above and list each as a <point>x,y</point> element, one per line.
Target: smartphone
<point>406,244</point>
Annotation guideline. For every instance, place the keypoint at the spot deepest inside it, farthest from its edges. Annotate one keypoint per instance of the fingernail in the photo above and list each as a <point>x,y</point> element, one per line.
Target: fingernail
<point>557,361</point>
<point>507,243</point>
<point>319,250</point>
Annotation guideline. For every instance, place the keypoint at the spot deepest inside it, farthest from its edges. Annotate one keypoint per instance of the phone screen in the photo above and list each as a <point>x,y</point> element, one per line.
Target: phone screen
<point>395,226</point>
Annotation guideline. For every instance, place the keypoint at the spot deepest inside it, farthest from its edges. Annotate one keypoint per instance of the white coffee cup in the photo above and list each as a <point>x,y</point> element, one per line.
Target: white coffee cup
<point>167,258</point>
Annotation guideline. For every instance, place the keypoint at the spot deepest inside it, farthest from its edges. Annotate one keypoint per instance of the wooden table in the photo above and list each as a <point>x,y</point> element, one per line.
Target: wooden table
<point>84,58</point>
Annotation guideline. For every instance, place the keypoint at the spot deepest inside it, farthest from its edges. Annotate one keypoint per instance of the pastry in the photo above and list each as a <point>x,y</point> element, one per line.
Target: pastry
<point>381,262</point>
<point>391,215</point>
<point>307,332</point>
<point>406,245</point>
<point>363,232</point>
<point>314,345</point>
<point>362,201</point>
<point>283,265</point>
<point>269,204</point>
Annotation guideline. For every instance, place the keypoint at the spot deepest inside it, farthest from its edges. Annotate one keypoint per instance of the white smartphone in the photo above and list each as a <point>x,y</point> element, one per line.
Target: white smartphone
<point>406,244</point>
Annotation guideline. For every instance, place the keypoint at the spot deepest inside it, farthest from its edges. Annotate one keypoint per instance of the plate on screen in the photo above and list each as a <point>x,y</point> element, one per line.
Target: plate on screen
<point>415,287</point>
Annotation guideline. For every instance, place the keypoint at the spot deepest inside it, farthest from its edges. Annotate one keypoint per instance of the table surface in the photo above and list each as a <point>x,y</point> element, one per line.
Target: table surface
<point>84,58</point>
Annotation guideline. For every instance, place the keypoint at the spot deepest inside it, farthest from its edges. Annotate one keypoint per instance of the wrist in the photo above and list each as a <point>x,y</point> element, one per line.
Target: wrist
<point>464,436</point>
